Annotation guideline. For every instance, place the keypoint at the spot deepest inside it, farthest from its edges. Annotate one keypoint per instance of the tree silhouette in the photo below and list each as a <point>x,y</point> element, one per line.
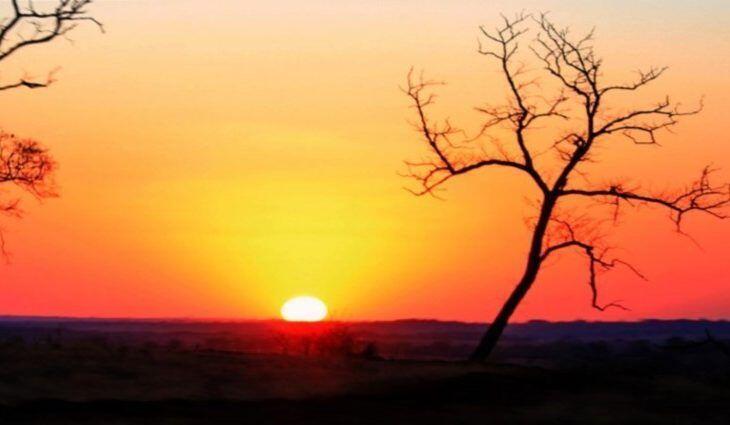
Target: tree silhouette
<point>574,71</point>
<point>24,162</point>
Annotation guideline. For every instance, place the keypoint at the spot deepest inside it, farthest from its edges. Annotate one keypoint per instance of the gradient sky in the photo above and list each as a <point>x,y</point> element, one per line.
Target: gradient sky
<point>217,158</point>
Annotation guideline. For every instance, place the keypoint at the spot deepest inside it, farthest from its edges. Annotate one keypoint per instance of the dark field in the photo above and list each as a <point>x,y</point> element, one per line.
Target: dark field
<point>176,372</point>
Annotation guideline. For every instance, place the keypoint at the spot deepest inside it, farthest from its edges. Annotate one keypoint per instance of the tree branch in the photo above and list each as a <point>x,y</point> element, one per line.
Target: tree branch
<point>28,26</point>
<point>433,172</point>
<point>47,24</point>
<point>701,196</point>
<point>645,77</point>
<point>662,116</point>
<point>31,83</point>
<point>596,261</point>
<point>26,164</point>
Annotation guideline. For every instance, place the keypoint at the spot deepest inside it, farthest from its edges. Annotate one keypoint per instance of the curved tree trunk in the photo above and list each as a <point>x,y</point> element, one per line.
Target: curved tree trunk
<point>496,328</point>
<point>494,332</point>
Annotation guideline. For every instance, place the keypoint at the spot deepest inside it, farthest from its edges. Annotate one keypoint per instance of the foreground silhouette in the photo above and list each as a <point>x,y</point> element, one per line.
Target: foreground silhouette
<point>571,66</point>
<point>96,371</point>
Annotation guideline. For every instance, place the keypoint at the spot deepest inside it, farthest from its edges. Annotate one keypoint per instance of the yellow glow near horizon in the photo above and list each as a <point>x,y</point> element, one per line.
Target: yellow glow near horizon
<point>304,309</point>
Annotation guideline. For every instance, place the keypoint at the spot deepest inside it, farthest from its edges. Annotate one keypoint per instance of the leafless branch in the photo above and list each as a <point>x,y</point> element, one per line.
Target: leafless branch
<point>31,83</point>
<point>646,121</point>
<point>26,164</point>
<point>598,260</point>
<point>519,112</point>
<point>700,196</point>
<point>645,77</point>
<point>30,25</point>
<point>445,163</point>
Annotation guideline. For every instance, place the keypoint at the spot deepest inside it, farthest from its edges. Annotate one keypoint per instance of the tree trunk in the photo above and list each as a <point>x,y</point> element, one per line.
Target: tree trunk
<point>496,328</point>
<point>494,332</point>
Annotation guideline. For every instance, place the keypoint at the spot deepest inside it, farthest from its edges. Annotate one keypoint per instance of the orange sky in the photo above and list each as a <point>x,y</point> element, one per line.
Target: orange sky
<point>217,159</point>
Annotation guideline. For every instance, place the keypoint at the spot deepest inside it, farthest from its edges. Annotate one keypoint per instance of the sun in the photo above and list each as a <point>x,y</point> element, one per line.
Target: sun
<point>304,309</point>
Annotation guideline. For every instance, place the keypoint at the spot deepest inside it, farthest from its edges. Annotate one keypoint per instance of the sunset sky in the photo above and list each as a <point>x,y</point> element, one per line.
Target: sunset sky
<point>217,158</point>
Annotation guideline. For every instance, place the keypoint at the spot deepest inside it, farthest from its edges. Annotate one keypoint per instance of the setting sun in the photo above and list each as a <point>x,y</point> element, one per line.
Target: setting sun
<point>304,309</point>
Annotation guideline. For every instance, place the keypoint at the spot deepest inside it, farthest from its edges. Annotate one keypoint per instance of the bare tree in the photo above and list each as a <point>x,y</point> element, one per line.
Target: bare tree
<point>579,109</point>
<point>24,162</point>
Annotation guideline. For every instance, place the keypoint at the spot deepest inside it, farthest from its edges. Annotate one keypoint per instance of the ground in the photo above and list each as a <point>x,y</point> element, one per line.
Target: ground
<point>410,372</point>
<point>163,386</point>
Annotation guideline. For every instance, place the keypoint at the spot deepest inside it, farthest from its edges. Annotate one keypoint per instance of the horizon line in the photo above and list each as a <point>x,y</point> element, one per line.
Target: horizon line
<point>7,317</point>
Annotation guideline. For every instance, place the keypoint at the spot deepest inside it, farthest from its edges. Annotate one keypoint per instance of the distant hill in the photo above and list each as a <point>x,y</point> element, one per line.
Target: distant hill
<point>536,330</point>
